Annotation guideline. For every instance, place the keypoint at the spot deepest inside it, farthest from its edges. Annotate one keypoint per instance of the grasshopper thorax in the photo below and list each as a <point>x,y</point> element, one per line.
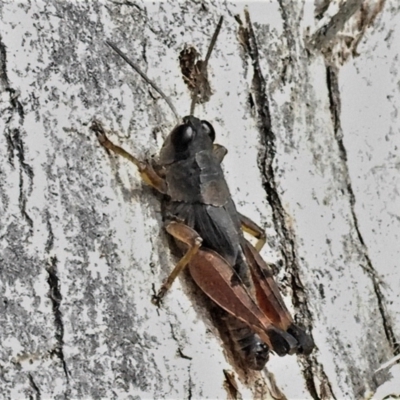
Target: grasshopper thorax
<point>192,171</point>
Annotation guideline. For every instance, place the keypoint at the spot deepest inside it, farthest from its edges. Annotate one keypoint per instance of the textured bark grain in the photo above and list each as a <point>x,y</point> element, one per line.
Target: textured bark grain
<point>305,99</point>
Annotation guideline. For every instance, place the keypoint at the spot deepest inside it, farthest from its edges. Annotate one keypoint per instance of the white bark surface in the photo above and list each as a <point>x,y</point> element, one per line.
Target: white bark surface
<point>82,244</point>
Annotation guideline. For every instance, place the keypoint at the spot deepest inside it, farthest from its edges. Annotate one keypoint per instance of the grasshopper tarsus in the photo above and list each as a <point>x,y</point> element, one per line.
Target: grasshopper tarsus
<point>157,297</point>
<point>156,300</point>
<point>97,128</point>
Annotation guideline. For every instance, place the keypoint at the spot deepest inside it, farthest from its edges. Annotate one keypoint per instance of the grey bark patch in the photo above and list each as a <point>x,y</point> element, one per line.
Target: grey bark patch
<point>61,196</point>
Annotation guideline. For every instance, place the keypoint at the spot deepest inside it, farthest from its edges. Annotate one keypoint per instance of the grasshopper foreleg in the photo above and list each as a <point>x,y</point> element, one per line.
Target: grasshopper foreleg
<point>145,169</point>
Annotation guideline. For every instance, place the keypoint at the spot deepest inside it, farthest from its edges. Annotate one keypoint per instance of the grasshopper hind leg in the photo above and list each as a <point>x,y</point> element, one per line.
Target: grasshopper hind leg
<point>190,237</point>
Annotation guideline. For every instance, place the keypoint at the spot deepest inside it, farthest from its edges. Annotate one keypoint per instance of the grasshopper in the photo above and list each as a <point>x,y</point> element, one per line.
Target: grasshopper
<point>200,215</point>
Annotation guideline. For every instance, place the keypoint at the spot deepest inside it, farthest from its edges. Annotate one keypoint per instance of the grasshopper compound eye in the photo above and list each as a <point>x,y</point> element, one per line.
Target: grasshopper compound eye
<point>208,129</point>
<point>181,137</point>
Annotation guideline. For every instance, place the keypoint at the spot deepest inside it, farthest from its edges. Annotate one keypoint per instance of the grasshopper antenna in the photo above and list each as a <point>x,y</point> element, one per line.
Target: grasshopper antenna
<point>145,77</point>
<point>204,64</point>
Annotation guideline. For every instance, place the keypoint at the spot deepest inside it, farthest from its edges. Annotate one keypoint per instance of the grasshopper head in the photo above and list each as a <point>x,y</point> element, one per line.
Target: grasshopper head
<point>187,139</point>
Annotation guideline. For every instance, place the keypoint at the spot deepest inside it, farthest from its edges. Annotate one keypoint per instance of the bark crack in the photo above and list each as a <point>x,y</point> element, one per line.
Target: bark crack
<point>310,366</point>
<point>35,387</point>
<point>179,351</point>
<point>335,108</point>
<point>3,67</point>
<point>13,136</point>
<point>190,384</point>
<point>56,298</point>
<point>50,238</point>
<point>16,147</point>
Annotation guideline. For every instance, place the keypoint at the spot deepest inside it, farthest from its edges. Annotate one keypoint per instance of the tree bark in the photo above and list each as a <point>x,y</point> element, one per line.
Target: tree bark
<point>306,102</point>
